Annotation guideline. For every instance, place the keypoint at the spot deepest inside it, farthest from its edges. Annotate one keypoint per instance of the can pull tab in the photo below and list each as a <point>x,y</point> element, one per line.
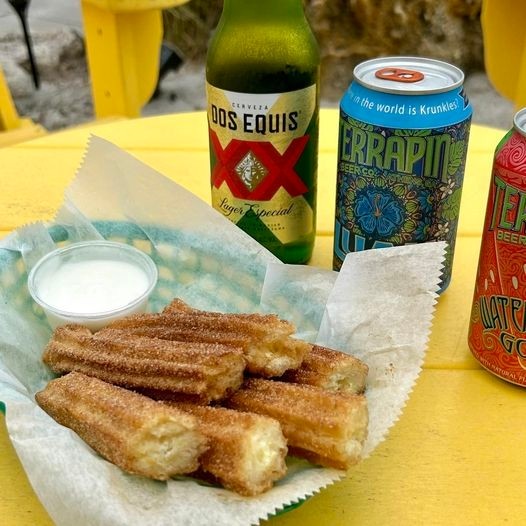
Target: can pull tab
<point>399,75</point>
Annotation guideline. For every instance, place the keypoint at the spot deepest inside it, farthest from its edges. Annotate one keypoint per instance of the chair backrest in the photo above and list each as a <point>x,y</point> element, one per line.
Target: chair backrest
<point>503,23</point>
<point>123,44</point>
<point>9,119</point>
<point>13,128</point>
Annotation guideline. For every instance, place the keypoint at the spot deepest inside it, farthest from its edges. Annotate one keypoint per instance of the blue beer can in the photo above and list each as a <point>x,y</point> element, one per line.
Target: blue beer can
<point>403,139</point>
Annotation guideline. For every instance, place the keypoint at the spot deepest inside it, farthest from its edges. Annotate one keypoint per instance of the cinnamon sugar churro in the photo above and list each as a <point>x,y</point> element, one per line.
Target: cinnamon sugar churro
<point>266,340</point>
<point>206,371</point>
<point>331,370</point>
<point>246,451</point>
<point>326,428</point>
<point>139,435</point>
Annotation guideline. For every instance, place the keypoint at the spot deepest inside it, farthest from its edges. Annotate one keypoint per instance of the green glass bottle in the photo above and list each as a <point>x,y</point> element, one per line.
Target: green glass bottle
<point>262,77</point>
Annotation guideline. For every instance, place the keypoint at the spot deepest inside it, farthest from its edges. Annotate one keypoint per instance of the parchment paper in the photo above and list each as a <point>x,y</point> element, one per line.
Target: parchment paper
<point>379,307</point>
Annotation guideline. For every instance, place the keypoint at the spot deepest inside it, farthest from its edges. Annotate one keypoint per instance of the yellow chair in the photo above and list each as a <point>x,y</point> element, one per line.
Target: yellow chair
<point>123,44</point>
<point>503,23</point>
<point>13,128</point>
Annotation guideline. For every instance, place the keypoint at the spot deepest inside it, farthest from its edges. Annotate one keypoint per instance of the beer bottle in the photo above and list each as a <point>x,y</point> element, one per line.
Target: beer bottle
<point>262,77</point>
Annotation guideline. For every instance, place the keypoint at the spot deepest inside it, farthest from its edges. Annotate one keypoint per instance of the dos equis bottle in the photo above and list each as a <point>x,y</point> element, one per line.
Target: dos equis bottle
<point>262,90</point>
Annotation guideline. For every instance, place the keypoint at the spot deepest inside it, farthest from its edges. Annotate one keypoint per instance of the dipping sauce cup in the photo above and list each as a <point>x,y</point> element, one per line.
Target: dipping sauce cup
<point>92,283</point>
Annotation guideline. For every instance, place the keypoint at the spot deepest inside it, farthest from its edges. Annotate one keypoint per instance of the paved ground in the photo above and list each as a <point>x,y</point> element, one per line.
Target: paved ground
<point>64,98</point>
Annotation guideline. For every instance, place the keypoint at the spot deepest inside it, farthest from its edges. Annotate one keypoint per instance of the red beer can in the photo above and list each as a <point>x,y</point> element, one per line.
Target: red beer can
<point>497,333</point>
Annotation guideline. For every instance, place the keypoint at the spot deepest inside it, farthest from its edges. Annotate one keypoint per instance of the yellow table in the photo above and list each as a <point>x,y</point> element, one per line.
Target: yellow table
<point>454,457</point>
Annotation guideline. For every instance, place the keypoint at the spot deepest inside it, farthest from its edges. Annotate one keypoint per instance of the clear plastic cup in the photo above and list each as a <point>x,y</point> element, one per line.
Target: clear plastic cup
<point>92,283</point>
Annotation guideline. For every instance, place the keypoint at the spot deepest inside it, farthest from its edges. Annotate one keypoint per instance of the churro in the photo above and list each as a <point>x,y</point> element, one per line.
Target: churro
<point>206,371</point>
<point>137,434</point>
<point>178,305</point>
<point>326,428</point>
<point>246,451</point>
<point>331,370</point>
<point>265,338</point>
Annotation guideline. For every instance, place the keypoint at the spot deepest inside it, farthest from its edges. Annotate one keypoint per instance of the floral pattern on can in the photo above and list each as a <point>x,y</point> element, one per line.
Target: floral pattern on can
<point>402,146</point>
<point>385,200</point>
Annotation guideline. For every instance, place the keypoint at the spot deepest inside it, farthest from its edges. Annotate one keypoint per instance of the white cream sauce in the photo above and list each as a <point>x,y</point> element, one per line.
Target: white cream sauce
<point>91,286</point>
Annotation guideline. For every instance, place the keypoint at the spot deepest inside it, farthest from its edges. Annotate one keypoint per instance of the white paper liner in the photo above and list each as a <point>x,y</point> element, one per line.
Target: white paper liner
<point>379,307</point>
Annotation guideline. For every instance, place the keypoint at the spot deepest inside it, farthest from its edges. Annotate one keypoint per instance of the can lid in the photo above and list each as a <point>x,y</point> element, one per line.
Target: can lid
<point>408,75</point>
<point>519,121</point>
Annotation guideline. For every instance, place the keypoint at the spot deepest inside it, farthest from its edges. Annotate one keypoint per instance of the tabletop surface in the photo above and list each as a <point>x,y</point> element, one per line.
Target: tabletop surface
<point>454,455</point>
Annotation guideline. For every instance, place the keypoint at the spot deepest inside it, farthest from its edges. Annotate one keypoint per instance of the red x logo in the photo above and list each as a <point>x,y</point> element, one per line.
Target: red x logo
<point>280,167</point>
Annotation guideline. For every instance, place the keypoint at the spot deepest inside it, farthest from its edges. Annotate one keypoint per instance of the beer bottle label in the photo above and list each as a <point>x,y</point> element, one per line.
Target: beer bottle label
<point>262,174</point>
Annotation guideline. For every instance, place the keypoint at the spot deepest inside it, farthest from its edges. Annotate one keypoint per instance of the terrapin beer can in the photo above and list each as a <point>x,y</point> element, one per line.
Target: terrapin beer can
<point>497,335</point>
<point>403,137</point>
